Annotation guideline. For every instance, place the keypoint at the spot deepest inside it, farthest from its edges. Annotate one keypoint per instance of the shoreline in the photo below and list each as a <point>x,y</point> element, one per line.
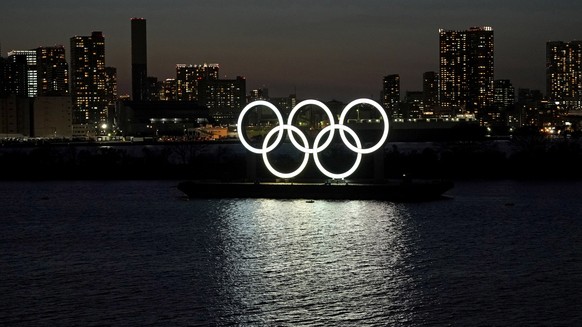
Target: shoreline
<point>521,159</point>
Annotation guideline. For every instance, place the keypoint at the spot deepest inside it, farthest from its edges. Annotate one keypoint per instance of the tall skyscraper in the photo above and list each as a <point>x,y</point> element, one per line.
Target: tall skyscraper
<point>88,80</point>
<point>53,71</point>
<point>564,73</point>
<point>139,60</point>
<point>466,70</point>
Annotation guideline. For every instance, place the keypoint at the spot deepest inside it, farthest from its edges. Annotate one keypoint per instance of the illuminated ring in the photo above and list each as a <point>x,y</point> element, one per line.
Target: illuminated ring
<point>384,118</point>
<point>342,128</point>
<point>266,158</point>
<point>240,126</point>
<point>331,123</point>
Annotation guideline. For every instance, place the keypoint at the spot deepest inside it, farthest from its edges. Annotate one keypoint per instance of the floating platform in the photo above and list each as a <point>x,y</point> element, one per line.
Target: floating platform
<point>397,191</point>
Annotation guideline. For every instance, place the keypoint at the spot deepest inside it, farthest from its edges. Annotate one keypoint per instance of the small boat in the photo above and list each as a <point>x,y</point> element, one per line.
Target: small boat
<point>397,191</point>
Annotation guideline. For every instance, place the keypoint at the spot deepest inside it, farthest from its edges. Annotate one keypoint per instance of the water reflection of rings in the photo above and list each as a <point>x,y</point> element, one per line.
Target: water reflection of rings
<point>305,148</point>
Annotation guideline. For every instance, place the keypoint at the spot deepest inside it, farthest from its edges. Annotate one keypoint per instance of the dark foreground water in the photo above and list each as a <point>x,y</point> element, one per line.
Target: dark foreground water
<point>138,253</point>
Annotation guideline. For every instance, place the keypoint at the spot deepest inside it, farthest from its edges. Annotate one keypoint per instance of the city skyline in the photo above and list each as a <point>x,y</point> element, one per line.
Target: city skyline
<point>325,50</point>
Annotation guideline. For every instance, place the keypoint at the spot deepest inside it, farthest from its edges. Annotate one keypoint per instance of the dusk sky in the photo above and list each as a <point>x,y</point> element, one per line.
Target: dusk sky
<point>318,49</point>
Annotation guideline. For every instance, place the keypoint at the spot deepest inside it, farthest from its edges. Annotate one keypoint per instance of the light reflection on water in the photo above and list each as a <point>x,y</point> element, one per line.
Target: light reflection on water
<point>308,263</point>
<point>138,253</point>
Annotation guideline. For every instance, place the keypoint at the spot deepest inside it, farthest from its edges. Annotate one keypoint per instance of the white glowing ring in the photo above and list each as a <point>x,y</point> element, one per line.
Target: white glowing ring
<point>358,157</point>
<point>384,118</point>
<point>331,123</point>
<point>266,159</point>
<point>240,126</point>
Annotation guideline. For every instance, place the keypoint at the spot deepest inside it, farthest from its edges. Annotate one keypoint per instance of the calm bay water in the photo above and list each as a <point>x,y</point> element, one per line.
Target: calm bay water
<point>136,253</point>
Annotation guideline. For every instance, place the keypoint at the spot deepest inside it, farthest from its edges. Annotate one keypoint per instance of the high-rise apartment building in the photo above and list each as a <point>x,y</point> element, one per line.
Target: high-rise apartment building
<point>188,77</point>
<point>3,82</point>
<point>110,97</point>
<point>168,90</point>
<point>413,105</point>
<point>88,81</point>
<point>466,70</point>
<point>154,88</point>
<point>391,96</point>
<point>13,76</point>
<point>481,64</point>
<point>504,104</point>
<point>31,70</point>
<point>504,94</point>
<point>139,71</point>
<point>53,71</point>
<point>224,98</point>
<point>564,73</point>
<point>430,90</point>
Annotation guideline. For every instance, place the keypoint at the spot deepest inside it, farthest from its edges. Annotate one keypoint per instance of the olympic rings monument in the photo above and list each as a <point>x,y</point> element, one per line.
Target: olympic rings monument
<point>403,190</point>
<point>304,145</point>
